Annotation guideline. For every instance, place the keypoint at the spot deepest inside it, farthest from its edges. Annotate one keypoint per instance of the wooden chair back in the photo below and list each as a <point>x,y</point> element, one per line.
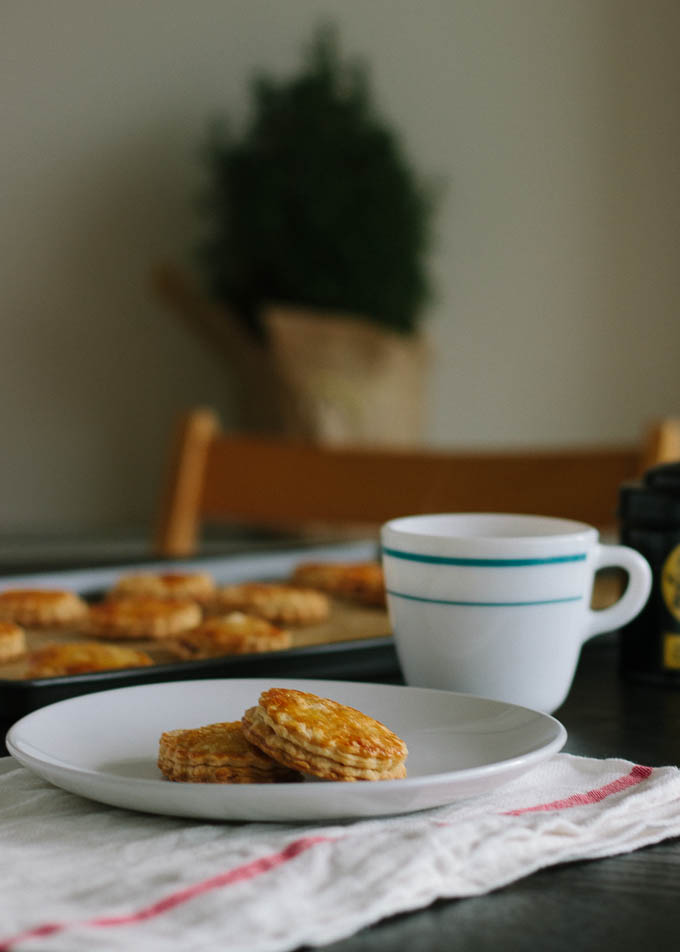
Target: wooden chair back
<point>217,477</point>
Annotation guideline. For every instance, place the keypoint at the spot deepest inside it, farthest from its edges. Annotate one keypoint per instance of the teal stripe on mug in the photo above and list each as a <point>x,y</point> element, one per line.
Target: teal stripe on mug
<point>446,601</point>
<point>484,563</point>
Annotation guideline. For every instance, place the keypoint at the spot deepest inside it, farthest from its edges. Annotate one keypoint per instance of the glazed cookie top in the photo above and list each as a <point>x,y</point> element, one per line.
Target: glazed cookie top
<point>328,728</point>
<point>278,603</point>
<point>362,582</point>
<point>142,617</point>
<point>195,585</point>
<point>83,656</point>
<point>235,633</point>
<point>41,608</point>
<point>219,743</point>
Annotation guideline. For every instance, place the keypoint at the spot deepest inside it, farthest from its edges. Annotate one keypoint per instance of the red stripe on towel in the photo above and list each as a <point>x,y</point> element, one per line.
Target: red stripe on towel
<point>230,878</point>
<point>637,775</point>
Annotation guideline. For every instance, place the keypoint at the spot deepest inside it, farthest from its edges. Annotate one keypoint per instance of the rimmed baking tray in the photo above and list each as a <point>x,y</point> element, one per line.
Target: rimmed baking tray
<point>362,656</point>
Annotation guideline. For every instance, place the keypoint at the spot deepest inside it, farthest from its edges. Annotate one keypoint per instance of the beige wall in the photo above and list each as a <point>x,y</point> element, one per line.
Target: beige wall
<point>555,122</point>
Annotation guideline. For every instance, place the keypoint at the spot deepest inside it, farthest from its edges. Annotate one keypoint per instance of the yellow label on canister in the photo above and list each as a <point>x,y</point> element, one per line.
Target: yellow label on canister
<point>670,582</point>
<point>671,651</point>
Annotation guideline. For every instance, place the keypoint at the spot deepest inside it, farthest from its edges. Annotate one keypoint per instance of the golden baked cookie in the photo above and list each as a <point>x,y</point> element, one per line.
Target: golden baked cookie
<point>235,633</point>
<point>12,641</point>
<point>218,753</point>
<point>362,582</point>
<point>321,737</point>
<point>199,586</point>
<point>278,603</point>
<point>41,608</point>
<point>142,617</point>
<point>79,657</point>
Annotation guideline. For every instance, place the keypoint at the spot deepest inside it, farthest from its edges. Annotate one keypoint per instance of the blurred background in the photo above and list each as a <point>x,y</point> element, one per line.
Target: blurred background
<point>553,124</point>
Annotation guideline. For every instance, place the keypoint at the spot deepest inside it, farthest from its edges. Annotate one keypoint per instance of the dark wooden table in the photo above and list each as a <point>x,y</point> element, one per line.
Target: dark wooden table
<point>627,902</point>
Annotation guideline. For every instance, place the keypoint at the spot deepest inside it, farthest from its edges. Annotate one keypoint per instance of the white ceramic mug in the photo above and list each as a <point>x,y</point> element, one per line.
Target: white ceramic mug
<point>498,605</point>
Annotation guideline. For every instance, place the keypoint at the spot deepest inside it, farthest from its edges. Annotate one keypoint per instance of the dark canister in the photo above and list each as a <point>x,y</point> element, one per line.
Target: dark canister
<point>649,517</point>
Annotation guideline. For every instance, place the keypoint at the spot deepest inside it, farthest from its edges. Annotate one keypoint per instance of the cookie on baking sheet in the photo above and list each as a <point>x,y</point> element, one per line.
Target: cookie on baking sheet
<point>321,737</point>
<point>142,616</point>
<point>218,753</point>
<point>278,603</point>
<point>12,641</point>
<point>235,633</point>
<point>80,657</point>
<point>199,586</point>
<point>41,608</point>
<point>362,582</point>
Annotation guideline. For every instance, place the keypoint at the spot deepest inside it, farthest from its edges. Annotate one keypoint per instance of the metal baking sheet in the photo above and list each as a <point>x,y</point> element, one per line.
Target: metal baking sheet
<point>355,645</point>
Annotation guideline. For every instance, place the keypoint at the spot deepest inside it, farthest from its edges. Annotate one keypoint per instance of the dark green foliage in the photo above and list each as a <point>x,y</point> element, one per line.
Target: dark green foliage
<point>316,205</point>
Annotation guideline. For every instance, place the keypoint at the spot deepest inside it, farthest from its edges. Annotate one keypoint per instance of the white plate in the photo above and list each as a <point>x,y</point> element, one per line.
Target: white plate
<point>103,746</point>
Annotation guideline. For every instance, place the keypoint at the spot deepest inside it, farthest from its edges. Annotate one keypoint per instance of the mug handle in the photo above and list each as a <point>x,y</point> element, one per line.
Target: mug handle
<point>634,597</point>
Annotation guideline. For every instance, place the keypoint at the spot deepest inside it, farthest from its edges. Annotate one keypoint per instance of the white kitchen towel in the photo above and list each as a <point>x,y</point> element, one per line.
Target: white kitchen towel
<point>78,875</point>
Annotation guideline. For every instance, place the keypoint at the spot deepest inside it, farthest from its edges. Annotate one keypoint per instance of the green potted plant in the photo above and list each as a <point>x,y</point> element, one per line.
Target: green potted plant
<point>316,237</point>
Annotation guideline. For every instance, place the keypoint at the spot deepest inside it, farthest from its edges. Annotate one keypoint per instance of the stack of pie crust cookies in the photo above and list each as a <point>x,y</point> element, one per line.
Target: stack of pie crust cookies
<point>288,735</point>
<point>218,753</point>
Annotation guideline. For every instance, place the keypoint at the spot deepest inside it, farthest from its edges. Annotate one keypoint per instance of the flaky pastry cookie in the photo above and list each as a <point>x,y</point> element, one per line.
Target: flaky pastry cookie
<point>41,608</point>
<point>141,617</point>
<point>79,657</point>
<point>362,582</point>
<point>278,603</point>
<point>321,737</point>
<point>235,633</point>
<point>12,641</point>
<point>218,753</point>
<point>199,586</point>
